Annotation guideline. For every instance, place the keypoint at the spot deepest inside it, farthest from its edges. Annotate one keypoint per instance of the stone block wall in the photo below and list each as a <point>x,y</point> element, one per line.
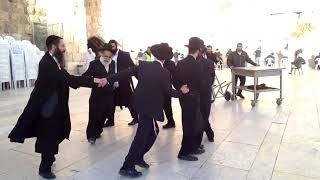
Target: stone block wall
<point>94,17</point>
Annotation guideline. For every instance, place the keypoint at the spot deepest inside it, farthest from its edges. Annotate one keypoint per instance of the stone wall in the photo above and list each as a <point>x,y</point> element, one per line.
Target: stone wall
<point>14,19</point>
<point>80,20</point>
<point>94,18</point>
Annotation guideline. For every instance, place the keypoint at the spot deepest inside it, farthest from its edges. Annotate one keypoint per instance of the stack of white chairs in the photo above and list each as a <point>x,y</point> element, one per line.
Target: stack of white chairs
<point>318,64</point>
<point>17,63</point>
<point>5,68</point>
<point>31,62</point>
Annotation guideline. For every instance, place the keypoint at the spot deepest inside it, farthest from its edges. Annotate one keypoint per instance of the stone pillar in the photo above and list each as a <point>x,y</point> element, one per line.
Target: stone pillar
<point>94,18</point>
<point>14,19</point>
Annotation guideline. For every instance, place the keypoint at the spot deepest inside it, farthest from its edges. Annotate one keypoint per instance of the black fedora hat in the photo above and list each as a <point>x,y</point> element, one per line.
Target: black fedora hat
<point>162,51</point>
<point>196,43</point>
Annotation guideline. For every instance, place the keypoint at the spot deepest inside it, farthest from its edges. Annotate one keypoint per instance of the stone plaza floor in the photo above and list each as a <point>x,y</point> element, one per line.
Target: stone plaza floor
<point>261,143</point>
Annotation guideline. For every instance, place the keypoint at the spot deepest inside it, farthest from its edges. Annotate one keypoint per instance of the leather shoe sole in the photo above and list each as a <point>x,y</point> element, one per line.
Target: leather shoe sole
<point>187,158</point>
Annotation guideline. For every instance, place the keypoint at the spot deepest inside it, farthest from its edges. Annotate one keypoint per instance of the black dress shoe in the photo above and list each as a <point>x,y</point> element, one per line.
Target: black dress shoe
<point>108,124</point>
<point>47,175</point>
<point>99,136</point>
<point>92,140</point>
<point>240,95</point>
<point>198,151</point>
<point>210,137</point>
<point>201,146</point>
<point>169,126</point>
<point>187,158</point>
<point>130,173</point>
<point>133,122</point>
<point>143,164</point>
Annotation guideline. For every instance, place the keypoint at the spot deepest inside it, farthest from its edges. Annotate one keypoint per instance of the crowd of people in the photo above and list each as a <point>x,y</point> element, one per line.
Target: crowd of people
<point>46,115</point>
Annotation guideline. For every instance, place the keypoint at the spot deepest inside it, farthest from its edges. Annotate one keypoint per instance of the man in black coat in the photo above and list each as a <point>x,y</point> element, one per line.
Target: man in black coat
<point>239,58</point>
<point>101,99</point>
<point>208,77</point>
<point>171,67</point>
<point>46,115</point>
<point>122,89</point>
<point>153,86</point>
<point>189,72</point>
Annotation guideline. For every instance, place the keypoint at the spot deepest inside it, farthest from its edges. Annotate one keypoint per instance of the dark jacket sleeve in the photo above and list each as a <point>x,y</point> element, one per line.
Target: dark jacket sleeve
<point>212,72</point>
<point>62,75</point>
<point>177,79</point>
<point>167,87</point>
<point>90,71</point>
<point>230,60</point>
<point>248,60</point>
<point>123,75</point>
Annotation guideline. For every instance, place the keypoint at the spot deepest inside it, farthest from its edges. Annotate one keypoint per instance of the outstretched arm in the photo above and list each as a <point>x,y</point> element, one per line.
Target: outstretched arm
<point>132,71</point>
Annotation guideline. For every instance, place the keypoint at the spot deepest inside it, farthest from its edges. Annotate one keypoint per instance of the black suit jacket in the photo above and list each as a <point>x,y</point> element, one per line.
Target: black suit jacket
<point>171,67</point>
<point>97,70</point>
<point>188,72</point>
<point>208,75</point>
<point>126,87</point>
<point>153,86</point>
<point>212,57</point>
<point>50,80</point>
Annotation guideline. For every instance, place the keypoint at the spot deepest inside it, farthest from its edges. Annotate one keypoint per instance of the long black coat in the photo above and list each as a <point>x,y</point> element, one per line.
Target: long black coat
<point>101,99</point>
<point>97,70</point>
<point>124,62</point>
<point>207,79</point>
<point>189,71</point>
<point>153,86</point>
<point>49,131</point>
<point>170,66</point>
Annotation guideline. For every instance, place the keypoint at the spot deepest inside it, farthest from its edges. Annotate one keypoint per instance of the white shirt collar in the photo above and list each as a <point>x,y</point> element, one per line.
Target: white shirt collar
<point>115,57</point>
<point>159,62</point>
<point>55,59</point>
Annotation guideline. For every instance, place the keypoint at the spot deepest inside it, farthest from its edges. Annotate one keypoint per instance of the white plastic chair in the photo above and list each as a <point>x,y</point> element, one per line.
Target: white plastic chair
<point>17,64</point>
<point>9,39</point>
<point>270,62</point>
<point>318,64</point>
<point>31,62</point>
<point>5,68</point>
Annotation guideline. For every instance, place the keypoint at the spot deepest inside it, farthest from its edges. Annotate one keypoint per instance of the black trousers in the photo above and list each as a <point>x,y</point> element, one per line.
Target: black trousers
<point>205,108</point>
<point>133,113</point>
<point>46,162</point>
<point>188,144</point>
<point>146,135</point>
<point>100,106</point>
<point>168,110</point>
<point>242,82</point>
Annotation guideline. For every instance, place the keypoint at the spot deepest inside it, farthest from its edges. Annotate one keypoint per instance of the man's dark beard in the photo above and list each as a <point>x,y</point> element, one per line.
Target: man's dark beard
<point>59,55</point>
<point>114,51</point>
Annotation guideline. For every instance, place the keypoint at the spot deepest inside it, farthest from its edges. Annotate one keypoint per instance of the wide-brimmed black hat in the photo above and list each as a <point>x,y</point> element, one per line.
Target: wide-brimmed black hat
<point>162,51</point>
<point>106,47</point>
<point>196,43</point>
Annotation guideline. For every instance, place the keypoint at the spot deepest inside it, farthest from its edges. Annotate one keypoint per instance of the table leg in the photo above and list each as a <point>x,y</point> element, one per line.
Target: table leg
<point>281,85</point>
<point>279,101</point>
<point>233,85</point>
<point>253,103</point>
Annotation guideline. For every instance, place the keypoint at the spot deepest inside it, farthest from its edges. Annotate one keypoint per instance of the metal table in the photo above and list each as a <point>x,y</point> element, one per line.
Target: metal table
<point>257,72</point>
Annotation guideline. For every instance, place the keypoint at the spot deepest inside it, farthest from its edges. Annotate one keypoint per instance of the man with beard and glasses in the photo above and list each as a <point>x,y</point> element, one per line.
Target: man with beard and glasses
<point>122,89</point>
<point>46,115</point>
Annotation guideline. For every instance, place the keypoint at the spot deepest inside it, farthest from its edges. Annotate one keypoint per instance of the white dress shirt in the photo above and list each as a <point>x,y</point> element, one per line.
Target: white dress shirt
<point>56,60</point>
<point>115,59</point>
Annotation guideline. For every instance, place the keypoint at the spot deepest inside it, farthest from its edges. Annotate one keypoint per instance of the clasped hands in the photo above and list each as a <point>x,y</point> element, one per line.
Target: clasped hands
<point>101,82</point>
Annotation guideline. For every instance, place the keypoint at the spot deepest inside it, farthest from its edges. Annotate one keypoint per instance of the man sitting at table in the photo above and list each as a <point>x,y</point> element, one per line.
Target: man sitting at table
<point>239,58</point>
